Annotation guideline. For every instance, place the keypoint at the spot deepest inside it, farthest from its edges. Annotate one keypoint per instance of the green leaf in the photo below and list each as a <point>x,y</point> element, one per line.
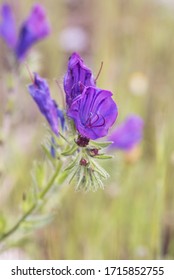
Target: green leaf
<point>70,150</point>
<point>100,145</point>
<point>100,169</point>
<point>74,173</point>
<point>103,156</point>
<point>99,182</point>
<point>80,179</point>
<point>72,164</point>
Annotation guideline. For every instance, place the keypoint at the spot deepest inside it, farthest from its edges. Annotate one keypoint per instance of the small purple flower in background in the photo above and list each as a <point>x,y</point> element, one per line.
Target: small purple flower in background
<point>128,134</point>
<point>77,77</point>
<point>8,26</point>
<point>35,28</point>
<point>93,112</point>
<point>40,92</point>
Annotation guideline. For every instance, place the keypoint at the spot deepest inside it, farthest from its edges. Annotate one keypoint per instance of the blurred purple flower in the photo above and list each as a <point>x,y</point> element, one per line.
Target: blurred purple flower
<point>93,112</point>
<point>40,92</point>
<point>8,26</point>
<point>127,134</point>
<point>35,28</point>
<point>77,77</point>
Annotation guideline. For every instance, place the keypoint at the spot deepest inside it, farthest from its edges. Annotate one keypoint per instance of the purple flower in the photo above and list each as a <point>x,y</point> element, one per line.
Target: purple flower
<point>8,26</point>
<point>35,28</point>
<point>127,134</point>
<point>39,90</point>
<point>93,112</point>
<point>77,77</point>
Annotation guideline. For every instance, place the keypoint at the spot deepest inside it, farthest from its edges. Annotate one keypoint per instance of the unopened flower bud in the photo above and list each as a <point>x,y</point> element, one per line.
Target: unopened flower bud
<point>83,162</point>
<point>82,141</point>
<point>93,152</point>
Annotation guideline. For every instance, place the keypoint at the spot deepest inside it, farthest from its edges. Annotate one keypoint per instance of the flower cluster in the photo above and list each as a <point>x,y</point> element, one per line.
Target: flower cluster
<point>91,111</point>
<point>33,29</point>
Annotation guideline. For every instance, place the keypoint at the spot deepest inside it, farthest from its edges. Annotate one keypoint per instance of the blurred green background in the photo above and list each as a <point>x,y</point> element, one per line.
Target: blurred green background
<point>133,217</point>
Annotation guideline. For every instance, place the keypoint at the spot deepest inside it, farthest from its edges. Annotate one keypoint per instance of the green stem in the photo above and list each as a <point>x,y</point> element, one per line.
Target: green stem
<point>33,207</point>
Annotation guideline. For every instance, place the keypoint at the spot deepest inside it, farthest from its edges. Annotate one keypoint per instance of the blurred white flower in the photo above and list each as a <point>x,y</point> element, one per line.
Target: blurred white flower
<point>138,83</point>
<point>73,39</point>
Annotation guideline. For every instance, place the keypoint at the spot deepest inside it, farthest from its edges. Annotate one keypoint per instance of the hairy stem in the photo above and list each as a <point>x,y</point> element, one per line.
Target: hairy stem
<point>33,207</point>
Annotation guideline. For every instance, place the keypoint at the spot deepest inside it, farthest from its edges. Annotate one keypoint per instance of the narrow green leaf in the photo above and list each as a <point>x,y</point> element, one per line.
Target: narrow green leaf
<point>74,173</point>
<point>72,164</point>
<point>103,156</point>
<point>100,144</point>
<point>81,178</point>
<point>100,169</point>
<point>70,150</point>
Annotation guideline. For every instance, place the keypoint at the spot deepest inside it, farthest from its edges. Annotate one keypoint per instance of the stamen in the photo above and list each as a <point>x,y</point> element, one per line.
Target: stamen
<point>88,121</point>
<point>99,125</point>
<point>91,123</point>
<point>94,121</point>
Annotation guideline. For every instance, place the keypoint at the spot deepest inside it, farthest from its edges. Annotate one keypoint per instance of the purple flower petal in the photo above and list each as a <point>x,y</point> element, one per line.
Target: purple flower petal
<point>93,112</point>
<point>127,134</point>
<point>77,77</point>
<point>35,28</point>
<point>41,94</point>
<point>8,26</point>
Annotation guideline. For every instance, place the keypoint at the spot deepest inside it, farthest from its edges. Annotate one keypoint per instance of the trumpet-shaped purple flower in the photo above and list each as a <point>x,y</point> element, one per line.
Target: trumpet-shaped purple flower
<point>35,28</point>
<point>127,134</point>
<point>77,77</point>
<point>93,112</point>
<point>39,90</point>
<point>8,26</point>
